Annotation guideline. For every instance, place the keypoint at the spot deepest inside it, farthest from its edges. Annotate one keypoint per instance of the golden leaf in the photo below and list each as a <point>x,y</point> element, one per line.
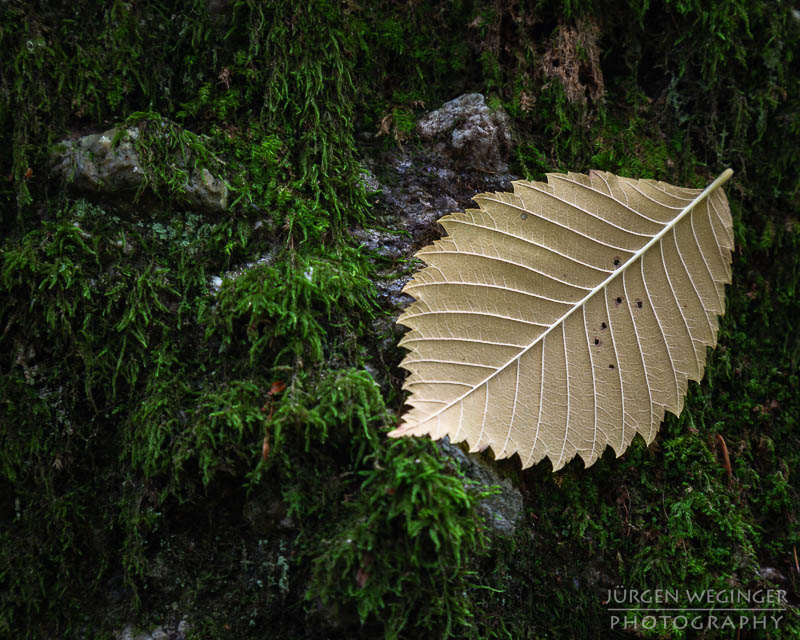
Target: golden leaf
<point>566,316</point>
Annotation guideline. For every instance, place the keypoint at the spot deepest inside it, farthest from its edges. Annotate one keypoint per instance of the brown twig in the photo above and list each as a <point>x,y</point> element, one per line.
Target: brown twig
<point>726,461</point>
<point>269,409</point>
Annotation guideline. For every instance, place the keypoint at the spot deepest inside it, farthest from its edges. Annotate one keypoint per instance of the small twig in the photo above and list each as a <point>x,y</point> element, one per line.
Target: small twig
<point>269,408</point>
<point>726,461</point>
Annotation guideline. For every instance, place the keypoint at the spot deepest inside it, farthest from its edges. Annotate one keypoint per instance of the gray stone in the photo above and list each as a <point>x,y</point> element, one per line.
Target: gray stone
<point>771,574</point>
<point>171,631</point>
<point>370,182</point>
<point>470,132</point>
<point>206,192</point>
<point>503,510</point>
<point>94,163</point>
<point>415,190</point>
<point>445,204</point>
<point>268,258</point>
<point>125,634</point>
<point>387,244</point>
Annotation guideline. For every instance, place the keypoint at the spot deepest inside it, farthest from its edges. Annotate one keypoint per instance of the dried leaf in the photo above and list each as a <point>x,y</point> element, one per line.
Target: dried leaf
<point>566,316</point>
<point>277,387</point>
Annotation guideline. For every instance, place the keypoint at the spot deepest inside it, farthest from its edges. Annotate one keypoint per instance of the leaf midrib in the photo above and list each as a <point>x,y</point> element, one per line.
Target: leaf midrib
<point>717,183</point>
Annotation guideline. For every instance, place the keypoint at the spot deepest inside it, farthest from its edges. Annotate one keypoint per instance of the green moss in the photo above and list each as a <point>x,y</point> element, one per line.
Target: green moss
<point>291,309</point>
<point>406,553</point>
<point>56,75</point>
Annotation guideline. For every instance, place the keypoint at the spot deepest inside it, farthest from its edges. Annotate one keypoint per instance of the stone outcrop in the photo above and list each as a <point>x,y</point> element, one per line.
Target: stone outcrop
<point>109,163</point>
<point>470,132</point>
<point>463,151</point>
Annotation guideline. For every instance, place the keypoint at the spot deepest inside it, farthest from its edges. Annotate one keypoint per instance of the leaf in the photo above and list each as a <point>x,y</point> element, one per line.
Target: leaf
<point>566,316</point>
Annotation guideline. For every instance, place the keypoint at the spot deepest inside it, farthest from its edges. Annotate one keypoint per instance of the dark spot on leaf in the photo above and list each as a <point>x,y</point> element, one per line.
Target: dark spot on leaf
<point>616,261</point>
<point>524,216</point>
<point>639,303</point>
<point>603,325</point>
<point>619,300</point>
<point>611,366</point>
<point>596,341</point>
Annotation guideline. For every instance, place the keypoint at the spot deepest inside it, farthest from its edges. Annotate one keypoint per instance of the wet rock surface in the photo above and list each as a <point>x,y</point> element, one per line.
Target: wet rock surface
<point>463,151</point>
<point>108,163</point>
<point>502,511</point>
<point>773,575</point>
<point>470,132</point>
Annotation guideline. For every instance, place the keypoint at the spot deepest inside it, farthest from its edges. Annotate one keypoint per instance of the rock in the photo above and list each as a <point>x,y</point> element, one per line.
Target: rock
<point>463,150</point>
<point>94,163</point>
<point>206,192</point>
<point>176,631</point>
<point>415,190</point>
<point>771,574</point>
<point>470,132</point>
<point>268,258</point>
<point>387,244</point>
<point>502,511</point>
<point>370,182</point>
